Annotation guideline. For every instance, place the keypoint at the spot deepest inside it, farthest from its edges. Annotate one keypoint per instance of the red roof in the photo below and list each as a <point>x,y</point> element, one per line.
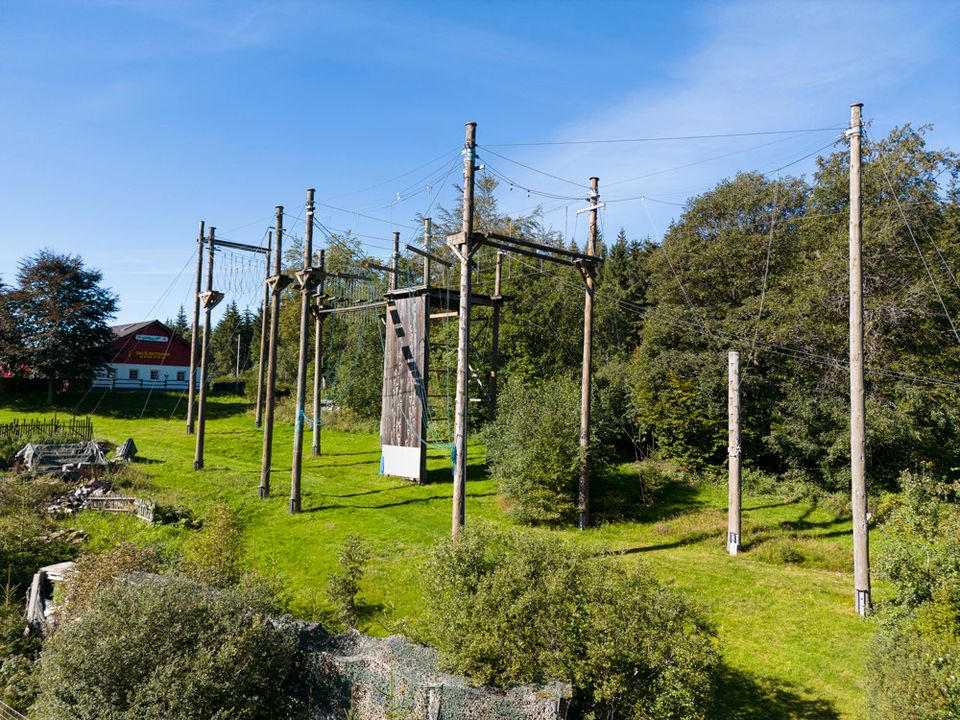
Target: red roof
<point>148,343</point>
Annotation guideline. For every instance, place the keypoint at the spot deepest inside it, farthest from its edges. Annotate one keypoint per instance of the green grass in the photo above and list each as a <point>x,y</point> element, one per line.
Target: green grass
<point>792,643</point>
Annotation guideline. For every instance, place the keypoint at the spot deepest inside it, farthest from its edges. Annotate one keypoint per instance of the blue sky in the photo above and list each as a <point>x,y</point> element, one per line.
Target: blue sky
<point>124,123</point>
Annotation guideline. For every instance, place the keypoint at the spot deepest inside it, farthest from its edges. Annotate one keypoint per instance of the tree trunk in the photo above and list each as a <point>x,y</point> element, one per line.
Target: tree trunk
<point>50,390</point>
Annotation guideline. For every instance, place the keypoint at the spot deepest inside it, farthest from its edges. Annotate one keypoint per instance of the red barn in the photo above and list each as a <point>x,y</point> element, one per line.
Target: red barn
<point>145,355</point>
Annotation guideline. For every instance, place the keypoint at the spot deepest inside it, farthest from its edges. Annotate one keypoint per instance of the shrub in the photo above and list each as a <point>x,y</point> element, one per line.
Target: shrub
<point>158,647</point>
<point>514,608</point>
<point>914,663</point>
<point>344,583</point>
<point>95,573</point>
<point>28,538</point>
<point>534,449</point>
<point>215,554</point>
<point>921,541</point>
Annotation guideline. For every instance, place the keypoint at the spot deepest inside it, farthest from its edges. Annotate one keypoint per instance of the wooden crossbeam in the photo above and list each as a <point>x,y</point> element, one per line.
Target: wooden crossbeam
<point>241,246</point>
<point>529,253</point>
<point>540,247</point>
<point>352,308</point>
<point>424,253</point>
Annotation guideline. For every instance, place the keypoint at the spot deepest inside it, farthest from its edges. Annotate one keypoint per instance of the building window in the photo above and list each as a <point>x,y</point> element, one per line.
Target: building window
<point>134,374</point>
<point>154,374</point>
<point>181,375</point>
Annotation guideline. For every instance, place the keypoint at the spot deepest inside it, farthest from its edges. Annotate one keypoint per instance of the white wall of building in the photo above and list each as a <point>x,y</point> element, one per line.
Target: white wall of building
<point>118,376</point>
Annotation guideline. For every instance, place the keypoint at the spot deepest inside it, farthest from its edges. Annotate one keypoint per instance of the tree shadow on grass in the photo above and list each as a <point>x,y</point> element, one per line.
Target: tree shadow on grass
<point>126,404</point>
<point>476,470</point>
<point>620,495</point>
<point>744,696</point>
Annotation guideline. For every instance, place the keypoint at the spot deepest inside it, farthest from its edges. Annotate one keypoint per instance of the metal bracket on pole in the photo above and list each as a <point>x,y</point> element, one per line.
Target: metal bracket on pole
<point>278,282</point>
<point>210,299</point>
<point>309,278</point>
<point>592,207</point>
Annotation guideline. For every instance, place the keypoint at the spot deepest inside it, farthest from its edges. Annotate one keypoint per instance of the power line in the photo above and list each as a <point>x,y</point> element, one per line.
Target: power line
<point>710,136</point>
<point>533,169</point>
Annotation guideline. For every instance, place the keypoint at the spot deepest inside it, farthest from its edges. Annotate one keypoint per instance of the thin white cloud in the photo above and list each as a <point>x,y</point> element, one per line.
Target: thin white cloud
<point>763,66</point>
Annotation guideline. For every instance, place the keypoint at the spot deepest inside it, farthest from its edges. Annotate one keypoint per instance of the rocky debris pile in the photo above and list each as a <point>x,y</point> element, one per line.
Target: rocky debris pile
<point>379,678</point>
<point>72,502</point>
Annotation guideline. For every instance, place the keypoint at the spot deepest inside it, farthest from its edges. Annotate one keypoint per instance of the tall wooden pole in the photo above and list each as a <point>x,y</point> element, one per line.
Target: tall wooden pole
<point>306,289</point>
<point>318,360</point>
<point>463,338</point>
<point>395,264</point>
<point>276,287</point>
<point>208,303</point>
<point>427,229</point>
<point>733,452</point>
<point>858,480</point>
<point>194,335</point>
<point>495,341</point>
<point>583,494</point>
<point>264,320</point>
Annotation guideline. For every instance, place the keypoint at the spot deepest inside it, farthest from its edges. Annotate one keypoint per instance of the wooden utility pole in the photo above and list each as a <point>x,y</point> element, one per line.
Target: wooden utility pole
<point>733,451</point>
<point>583,494</point>
<point>209,300</point>
<point>264,316</point>
<point>395,264</point>
<point>192,382</point>
<point>277,283</point>
<point>858,481</point>
<point>427,229</point>
<point>465,250</point>
<point>306,289</point>
<point>495,349</point>
<point>318,360</point>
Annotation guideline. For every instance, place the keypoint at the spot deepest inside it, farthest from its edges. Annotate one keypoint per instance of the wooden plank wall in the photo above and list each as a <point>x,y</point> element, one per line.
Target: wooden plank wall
<point>403,421</point>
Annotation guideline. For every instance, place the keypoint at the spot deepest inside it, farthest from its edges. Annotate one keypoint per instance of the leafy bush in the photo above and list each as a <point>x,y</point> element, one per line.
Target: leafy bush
<point>344,583</point>
<point>215,554</point>
<point>534,449</point>
<point>94,573</point>
<point>921,541</point>
<point>515,608</point>
<point>158,647</point>
<point>28,538</point>
<point>914,663</point>
<point>18,650</point>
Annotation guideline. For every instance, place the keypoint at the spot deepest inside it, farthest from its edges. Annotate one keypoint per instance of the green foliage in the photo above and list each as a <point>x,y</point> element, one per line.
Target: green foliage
<point>921,541</point>
<point>28,538</point>
<point>707,289</point>
<point>534,449</point>
<point>94,573</point>
<point>225,350</point>
<point>215,554</point>
<point>514,608</point>
<point>161,647</point>
<point>58,315</point>
<point>180,325</point>
<point>914,665</point>
<point>18,650</point>
<point>344,582</point>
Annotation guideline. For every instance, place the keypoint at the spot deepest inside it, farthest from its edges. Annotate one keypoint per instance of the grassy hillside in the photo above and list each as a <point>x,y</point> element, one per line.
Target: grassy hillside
<point>792,642</point>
